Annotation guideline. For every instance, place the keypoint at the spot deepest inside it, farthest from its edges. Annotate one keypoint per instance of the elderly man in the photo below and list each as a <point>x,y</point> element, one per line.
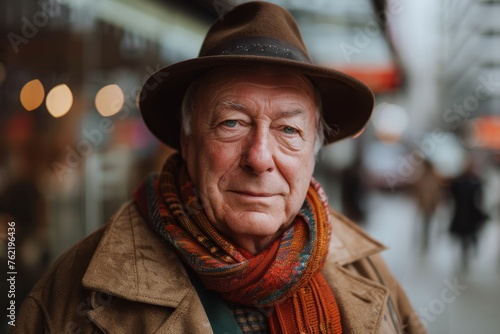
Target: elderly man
<point>234,235</point>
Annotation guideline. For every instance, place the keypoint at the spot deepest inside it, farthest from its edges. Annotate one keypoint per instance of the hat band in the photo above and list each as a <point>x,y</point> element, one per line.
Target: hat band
<point>260,46</point>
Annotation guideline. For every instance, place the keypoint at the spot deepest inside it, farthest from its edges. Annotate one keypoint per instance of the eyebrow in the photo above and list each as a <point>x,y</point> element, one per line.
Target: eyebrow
<point>291,113</point>
<point>232,105</point>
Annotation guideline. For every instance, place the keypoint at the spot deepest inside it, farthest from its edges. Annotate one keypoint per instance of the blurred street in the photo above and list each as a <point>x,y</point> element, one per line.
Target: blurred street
<point>393,219</point>
<point>422,177</point>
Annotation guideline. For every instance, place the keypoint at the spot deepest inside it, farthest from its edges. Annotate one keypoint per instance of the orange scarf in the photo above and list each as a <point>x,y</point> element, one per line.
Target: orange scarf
<point>286,277</point>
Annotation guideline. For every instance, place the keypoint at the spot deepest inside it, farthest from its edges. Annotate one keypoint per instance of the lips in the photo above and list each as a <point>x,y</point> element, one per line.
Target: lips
<point>253,193</point>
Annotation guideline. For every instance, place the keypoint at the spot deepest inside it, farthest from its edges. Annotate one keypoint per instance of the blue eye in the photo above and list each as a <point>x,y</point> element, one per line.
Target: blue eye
<point>289,130</point>
<point>230,123</point>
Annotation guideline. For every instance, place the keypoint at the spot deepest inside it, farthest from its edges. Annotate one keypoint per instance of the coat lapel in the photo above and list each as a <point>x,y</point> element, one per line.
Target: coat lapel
<point>132,264</point>
<point>122,316</point>
<point>349,243</point>
<point>361,301</point>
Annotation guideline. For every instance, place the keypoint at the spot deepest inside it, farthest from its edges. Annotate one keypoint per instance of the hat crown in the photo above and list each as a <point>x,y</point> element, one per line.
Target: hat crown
<point>254,33</point>
<point>251,22</point>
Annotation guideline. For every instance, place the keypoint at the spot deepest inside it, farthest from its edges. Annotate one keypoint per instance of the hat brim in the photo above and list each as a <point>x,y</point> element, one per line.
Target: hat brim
<point>347,102</point>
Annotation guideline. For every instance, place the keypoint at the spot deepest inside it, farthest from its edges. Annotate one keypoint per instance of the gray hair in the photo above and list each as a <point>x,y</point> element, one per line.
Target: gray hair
<point>187,110</point>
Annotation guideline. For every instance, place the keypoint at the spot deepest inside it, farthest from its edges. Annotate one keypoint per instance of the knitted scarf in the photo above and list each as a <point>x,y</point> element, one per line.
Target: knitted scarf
<point>285,277</point>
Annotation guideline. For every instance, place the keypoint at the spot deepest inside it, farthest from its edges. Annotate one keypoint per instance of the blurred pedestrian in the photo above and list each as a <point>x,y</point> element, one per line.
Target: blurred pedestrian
<point>468,216</point>
<point>427,193</point>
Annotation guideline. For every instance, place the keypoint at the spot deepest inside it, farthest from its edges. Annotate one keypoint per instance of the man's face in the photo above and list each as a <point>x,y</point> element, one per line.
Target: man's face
<point>251,151</point>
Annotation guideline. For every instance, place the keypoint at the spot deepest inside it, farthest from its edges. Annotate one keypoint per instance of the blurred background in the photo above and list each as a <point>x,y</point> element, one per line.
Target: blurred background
<point>423,177</point>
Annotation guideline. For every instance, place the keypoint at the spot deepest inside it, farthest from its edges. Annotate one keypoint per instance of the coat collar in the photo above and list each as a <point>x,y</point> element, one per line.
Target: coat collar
<point>132,263</point>
<point>349,243</point>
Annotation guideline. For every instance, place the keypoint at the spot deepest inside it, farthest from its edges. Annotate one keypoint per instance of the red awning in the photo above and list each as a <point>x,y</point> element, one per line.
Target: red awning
<point>380,79</point>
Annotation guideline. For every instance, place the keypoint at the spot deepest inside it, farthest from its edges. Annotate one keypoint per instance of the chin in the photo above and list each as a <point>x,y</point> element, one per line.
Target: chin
<point>256,224</point>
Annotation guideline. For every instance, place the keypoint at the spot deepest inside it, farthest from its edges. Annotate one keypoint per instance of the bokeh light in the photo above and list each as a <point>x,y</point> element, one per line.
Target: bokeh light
<point>390,121</point>
<point>109,100</point>
<point>59,100</point>
<point>32,95</point>
<point>486,132</point>
<point>449,156</point>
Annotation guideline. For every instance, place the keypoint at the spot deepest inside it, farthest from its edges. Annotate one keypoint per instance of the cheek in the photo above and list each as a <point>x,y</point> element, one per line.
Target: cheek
<point>297,168</point>
<point>215,166</point>
<point>220,158</point>
<point>214,162</point>
<point>298,174</point>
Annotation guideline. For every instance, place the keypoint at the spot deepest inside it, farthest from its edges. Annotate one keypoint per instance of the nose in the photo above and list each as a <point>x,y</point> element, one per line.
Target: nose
<point>258,154</point>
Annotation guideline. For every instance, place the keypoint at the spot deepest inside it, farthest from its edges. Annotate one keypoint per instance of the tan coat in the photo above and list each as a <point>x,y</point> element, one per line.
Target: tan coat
<point>124,279</point>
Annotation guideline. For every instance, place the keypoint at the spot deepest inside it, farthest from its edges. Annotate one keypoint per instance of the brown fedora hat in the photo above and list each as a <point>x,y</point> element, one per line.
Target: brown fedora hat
<point>257,33</point>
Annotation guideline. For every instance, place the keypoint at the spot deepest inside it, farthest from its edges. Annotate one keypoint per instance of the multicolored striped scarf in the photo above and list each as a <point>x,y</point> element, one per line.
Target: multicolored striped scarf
<point>285,277</point>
